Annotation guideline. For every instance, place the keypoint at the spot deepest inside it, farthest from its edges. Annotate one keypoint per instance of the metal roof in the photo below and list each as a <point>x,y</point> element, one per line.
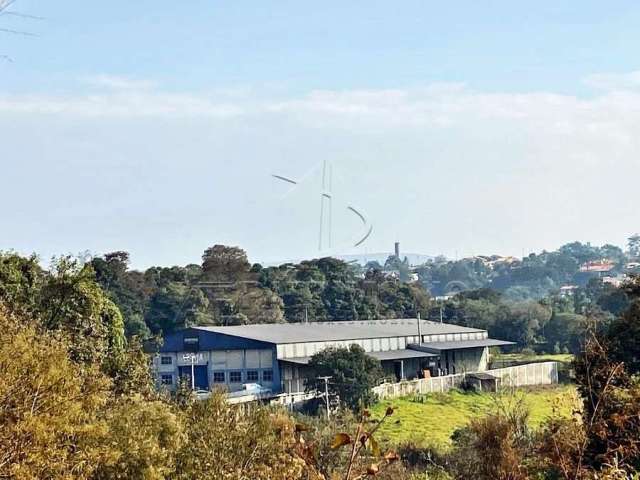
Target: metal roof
<point>279,333</point>
<point>437,347</point>
<point>402,354</point>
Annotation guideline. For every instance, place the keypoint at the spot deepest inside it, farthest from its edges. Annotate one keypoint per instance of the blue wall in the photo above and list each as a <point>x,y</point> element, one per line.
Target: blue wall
<point>174,342</point>
<point>208,341</point>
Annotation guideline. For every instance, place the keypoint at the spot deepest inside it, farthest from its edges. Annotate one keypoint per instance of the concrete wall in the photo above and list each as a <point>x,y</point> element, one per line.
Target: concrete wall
<point>464,360</point>
<point>544,373</point>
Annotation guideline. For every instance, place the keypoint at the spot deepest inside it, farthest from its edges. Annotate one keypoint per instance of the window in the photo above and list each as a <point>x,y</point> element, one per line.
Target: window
<point>267,376</point>
<point>191,344</point>
<point>252,376</point>
<point>218,377</point>
<point>166,379</point>
<point>235,377</point>
<point>166,360</point>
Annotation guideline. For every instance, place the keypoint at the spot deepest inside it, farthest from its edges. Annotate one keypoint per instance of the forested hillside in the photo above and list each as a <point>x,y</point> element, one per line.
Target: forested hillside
<point>225,289</point>
<point>534,276</point>
<point>518,300</point>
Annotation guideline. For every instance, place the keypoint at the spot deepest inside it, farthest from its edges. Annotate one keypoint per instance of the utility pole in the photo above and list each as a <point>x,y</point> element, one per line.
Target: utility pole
<point>326,392</point>
<point>193,378</point>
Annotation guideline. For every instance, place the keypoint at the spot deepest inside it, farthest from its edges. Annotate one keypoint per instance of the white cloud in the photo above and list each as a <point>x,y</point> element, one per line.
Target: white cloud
<point>121,104</point>
<point>614,81</point>
<point>117,82</point>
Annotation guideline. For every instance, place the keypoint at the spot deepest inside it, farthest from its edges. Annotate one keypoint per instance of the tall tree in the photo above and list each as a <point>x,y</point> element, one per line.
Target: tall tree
<point>353,374</point>
<point>222,263</point>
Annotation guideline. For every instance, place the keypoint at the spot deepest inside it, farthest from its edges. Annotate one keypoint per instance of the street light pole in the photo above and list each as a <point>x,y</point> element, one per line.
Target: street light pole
<point>326,392</point>
<point>193,368</point>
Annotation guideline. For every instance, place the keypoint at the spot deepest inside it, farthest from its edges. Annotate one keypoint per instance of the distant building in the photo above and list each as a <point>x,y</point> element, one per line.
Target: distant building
<point>596,269</point>
<point>601,267</point>
<point>275,356</point>
<point>568,290</point>
<point>615,281</point>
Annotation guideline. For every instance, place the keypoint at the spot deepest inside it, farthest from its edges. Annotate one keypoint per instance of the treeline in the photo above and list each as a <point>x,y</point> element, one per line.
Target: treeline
<point>553,324</point>
<point>225,289</point>
<point>532,277</point>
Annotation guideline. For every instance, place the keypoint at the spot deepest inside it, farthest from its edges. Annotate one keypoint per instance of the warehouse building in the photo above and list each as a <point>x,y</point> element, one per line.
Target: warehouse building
<point>276,355</point>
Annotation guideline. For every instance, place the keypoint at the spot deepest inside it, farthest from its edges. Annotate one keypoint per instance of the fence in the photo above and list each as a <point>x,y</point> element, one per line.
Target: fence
<point>544,373</point>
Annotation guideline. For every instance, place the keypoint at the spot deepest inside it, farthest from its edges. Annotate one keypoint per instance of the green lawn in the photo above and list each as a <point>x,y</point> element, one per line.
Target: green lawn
<point>518,358</point>
<point>431,419</point>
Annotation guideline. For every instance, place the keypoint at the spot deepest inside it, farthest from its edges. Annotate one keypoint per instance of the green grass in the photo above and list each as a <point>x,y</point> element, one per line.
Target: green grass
<point>517,358</point>
<point>431,419</point>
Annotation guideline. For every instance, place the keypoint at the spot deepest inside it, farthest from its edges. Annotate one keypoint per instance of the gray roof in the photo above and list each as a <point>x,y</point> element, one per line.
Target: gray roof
<point>401,354</point>
<point>279,333</point>
<point>437,347</point>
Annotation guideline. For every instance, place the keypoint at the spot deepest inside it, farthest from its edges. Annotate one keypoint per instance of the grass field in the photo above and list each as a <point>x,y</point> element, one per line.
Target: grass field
<point>431,419</point>
<point>517,358</point>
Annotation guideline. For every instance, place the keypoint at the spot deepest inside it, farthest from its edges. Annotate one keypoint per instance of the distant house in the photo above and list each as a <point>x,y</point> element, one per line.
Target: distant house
<point>600,267</point>
<point>595,269</point>
<point>275,356</point>
<point>568,290</point>
<point>615,281</point>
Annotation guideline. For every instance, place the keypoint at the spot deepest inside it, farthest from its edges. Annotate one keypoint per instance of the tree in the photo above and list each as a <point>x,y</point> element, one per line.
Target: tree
<point>48,405</point>
<point>372,265</point>
<point>633,244</point>
<point>225,442</point>
<point>524,322</point>
<point>20,282</point>
<point>566,330</point>
<point>353,374</point>
<point>176,306</point>
<point>611,408</point>
<point>72,302</point>
<point>221,263</point>
<point>127,289</point>
<point>144,436</point>
<point>623,334</point>
<point>581,252</point>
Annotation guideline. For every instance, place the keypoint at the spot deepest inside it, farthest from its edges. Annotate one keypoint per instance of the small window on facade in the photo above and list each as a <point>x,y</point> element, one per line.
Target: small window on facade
<point>166,379</point>
<point>235,377</point>
<point>191,344</point>
<point>166,360</point>
<point>267,376</point>
<point>252,376</point>
<point>218,377</point>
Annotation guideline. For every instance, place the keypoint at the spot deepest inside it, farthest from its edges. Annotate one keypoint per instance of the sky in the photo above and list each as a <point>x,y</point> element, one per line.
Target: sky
<point>456,128</point>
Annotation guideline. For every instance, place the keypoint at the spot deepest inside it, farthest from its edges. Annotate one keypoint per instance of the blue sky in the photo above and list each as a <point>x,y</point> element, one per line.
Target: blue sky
<point>474,127</point>
<point>304,45</point>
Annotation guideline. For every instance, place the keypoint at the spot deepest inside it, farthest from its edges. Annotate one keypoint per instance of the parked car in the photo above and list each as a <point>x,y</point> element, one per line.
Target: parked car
<point>251,389</point>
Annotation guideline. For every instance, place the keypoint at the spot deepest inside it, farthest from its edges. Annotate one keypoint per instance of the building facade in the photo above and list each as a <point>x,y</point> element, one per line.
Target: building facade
<point>276,355</point>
